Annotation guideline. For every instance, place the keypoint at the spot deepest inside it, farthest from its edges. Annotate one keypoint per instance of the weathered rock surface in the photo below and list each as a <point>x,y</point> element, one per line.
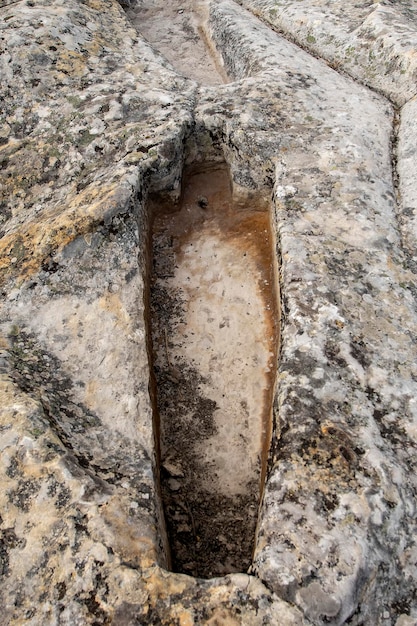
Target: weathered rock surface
<point>375,42</point>
<point>178,31</point>
<point>92,120</point>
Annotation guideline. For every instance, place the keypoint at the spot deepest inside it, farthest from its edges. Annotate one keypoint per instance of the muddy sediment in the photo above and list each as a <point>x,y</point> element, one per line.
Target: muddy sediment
<point>214,336</point>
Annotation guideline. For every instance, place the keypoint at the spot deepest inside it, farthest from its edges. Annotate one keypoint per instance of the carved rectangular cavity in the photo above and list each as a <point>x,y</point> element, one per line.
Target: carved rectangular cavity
<point>179,33</point>
<point>213,306</point>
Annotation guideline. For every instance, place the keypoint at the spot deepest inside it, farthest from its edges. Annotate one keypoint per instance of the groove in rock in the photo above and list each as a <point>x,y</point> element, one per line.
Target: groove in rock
<point>214,317</point>
<point>177,30</point>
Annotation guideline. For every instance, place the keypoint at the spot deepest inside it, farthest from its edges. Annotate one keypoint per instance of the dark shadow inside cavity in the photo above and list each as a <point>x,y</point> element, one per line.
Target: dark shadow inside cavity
<point>213,315</point>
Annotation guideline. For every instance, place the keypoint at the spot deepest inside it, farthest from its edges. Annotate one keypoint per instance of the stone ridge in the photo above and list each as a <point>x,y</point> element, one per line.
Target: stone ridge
<point>93,120</point>
<point>336,220</point>
<point>374,42</point>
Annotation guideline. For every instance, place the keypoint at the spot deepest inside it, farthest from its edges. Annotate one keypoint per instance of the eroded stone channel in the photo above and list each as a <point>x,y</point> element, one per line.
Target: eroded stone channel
<point>214,335</point>
<point>177,29</point>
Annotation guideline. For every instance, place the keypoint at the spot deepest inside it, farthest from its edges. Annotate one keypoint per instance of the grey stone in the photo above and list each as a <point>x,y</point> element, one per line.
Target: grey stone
<point>92,121</point>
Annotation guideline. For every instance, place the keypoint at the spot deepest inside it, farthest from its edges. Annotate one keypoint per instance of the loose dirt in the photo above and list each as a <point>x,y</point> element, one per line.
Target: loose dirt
<point>214,316</point>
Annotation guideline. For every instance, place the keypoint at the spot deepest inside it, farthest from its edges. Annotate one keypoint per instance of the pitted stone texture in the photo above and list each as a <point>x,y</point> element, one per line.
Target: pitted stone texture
<point>78,550</point>
<point>301,110</point>
<point>73,311</point>
<point>407,175</point>
<point>374,42</point>
<point>80,520</point>
<point>61,517</point>
<point>337,528</point>
<point>347,438</point>
<point>86,109</point>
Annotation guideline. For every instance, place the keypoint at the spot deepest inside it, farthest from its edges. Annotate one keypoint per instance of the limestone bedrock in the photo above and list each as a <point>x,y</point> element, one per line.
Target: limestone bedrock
<point>92,120</point>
